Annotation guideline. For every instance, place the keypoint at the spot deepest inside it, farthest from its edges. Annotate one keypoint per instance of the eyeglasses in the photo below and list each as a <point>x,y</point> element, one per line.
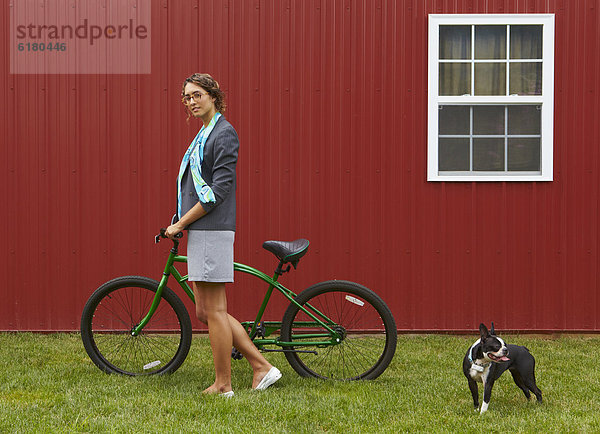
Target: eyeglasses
<point>187,99</point>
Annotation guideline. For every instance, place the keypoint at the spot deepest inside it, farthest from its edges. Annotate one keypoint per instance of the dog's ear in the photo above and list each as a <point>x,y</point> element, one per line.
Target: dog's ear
<point>492,331</point>
<point>483,331</point>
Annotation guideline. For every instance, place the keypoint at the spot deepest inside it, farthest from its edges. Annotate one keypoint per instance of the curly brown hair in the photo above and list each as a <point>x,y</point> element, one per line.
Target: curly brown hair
<point>211,86</point>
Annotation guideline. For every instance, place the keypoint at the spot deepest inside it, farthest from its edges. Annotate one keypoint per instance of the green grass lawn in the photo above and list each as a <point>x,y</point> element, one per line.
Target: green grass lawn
<point>48,384</point>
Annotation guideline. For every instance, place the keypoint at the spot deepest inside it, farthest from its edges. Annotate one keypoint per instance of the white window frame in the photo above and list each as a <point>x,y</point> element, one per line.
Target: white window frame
<point>545,100</point>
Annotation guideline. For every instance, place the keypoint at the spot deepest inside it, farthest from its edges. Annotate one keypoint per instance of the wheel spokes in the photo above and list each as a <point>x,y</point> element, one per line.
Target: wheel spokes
<point>113,321</point>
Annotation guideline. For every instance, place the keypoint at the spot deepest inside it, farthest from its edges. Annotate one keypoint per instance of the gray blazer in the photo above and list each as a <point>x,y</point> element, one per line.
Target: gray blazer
<point>218,171</point>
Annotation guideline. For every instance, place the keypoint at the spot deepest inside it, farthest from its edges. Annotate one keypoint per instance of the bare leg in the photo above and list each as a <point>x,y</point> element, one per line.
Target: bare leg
<point>214,301</point>
<point>260,365</point>
<point>241,340</point>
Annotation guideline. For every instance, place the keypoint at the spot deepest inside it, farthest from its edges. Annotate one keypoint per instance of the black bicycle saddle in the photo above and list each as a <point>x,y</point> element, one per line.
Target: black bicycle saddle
<point>287,251</point>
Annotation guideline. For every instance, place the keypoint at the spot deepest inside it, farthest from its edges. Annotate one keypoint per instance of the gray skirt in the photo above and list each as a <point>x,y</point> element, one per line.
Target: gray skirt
<point>210,256</point>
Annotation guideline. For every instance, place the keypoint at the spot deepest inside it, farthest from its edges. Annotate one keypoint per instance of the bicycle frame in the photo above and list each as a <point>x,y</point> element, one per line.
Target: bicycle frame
<point>252,326</point>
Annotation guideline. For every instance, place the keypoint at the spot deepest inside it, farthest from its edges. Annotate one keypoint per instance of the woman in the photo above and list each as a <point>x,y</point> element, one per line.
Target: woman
<point>206,208</point>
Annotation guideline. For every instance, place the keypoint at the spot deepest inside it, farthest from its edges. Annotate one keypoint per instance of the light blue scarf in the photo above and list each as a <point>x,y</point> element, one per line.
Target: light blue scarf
<point>194,156</point>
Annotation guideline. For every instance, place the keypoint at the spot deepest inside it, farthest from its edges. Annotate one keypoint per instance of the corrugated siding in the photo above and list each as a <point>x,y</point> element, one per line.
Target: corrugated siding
<point>329,100</point>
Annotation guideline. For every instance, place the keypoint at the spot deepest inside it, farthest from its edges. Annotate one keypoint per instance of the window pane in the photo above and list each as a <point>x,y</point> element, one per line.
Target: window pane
<point>525,42</point>
<point>454,119</point>
<point>453,154</point>
<point>490,42</point>
<point>526,78</point>
<point>455,42</point>
<point>490,79</point>
<point>488,119</point>
<point>455,78</point>
<point>488,154</point>
<point>524,154</point>
<point>524,119</point>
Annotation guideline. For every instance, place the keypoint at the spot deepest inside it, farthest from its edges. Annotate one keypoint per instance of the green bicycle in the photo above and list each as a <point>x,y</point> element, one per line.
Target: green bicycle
<point>340,330</point>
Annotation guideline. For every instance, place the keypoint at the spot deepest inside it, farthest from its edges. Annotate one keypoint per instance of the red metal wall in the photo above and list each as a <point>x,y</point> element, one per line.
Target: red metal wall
<point>329,100</point>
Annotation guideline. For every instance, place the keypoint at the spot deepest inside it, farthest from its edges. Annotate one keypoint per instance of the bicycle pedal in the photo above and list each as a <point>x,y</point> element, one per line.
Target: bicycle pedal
<point>235,354</point>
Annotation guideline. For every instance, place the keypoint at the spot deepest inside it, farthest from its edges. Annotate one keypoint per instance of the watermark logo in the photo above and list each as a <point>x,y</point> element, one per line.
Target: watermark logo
<point>80,36</point>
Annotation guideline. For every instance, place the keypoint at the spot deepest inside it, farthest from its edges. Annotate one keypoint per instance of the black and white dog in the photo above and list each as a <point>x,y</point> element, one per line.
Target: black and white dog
<point>489,357</point>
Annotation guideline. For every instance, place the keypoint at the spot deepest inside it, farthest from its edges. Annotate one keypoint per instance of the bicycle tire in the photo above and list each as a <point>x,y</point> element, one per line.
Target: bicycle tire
<point>115,308</point>
<point>367,325</point>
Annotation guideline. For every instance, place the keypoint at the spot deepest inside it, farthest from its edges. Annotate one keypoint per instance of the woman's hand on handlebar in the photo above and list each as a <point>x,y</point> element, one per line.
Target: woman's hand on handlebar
<point>173,230</point>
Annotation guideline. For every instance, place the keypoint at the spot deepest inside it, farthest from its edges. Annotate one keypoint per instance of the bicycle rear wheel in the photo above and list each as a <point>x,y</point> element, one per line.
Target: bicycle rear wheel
<point>360,316</point>
<point>119,305</point>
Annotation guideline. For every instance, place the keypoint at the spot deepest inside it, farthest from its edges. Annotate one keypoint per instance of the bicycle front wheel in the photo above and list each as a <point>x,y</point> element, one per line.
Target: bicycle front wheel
<point>118,306</point>
<point>358,315</point>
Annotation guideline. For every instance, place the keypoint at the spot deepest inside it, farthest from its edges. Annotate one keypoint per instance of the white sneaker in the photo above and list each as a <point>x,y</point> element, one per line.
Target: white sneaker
<point>271,377</point>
